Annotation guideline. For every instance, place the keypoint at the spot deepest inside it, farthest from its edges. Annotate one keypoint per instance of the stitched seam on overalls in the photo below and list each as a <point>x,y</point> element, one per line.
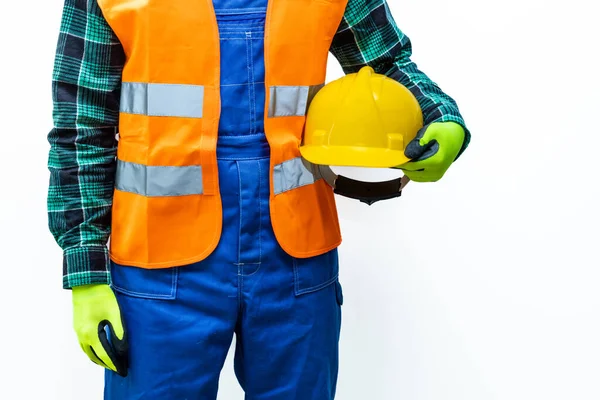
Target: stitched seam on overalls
<point>239,257</point>
<point>260,230</point>
<point>251,96</point>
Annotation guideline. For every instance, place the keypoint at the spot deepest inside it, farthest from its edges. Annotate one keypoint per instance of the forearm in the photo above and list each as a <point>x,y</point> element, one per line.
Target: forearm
<point>86,82</point>
<point>82,169</point>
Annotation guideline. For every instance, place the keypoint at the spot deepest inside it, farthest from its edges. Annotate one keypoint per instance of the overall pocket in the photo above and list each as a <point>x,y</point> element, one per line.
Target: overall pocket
<point>159,284</point>
<point>315,273</point>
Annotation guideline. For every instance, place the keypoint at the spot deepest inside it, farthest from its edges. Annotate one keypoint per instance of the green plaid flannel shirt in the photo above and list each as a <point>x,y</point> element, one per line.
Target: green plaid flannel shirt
<point>86,83</point>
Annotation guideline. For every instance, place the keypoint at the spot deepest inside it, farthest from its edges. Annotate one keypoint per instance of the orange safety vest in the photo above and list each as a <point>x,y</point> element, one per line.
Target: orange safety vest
<point>167,206</point>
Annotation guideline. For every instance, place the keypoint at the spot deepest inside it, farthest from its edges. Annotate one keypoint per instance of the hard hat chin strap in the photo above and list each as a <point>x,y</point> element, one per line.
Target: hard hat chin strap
<point>366,192</point>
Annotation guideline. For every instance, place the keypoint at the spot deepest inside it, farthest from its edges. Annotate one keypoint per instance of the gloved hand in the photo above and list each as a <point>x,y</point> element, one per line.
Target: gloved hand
<point>432,151</point>
<point>99,326</point>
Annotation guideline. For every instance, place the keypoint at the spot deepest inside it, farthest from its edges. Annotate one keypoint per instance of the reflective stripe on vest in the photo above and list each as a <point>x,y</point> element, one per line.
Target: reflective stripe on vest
<point>292,174</point>
<point>173,100</point>
<point>291,101</point>
<point>158,181</point>
<point>167,209</point>
<point>153,181</point>
<point>162,100</point>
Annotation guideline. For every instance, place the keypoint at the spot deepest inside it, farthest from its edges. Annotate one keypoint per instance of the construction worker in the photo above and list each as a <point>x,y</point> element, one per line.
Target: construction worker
<point>177,133</point>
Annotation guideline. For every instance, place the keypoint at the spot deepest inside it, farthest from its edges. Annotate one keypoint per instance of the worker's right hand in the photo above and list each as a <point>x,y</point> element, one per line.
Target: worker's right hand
<point>99,326</point>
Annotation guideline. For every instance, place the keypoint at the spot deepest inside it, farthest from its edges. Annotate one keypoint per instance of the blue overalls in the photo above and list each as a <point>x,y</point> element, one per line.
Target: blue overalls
<point>285,312</point>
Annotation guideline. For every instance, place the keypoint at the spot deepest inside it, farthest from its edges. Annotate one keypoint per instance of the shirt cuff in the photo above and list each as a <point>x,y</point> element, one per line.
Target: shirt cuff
<point>85,266</point>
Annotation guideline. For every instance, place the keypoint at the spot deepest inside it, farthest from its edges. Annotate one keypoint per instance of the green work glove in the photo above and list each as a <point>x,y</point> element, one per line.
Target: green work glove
<point>99,326</point>
<point>433,151</point>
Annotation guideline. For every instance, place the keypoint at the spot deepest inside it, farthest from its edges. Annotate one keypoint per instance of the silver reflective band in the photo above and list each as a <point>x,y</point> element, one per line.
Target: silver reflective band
<point>291,101</point>
<point>152,181</point>
<point>162,100</point>
<point>293,174</point>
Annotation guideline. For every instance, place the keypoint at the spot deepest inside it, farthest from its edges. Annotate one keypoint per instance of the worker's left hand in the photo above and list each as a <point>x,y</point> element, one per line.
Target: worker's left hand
<point>433,151</point>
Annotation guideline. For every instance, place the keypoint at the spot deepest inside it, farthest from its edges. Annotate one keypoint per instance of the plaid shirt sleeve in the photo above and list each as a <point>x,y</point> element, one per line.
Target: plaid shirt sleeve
<point>85,92</point>
<point>368,35</point>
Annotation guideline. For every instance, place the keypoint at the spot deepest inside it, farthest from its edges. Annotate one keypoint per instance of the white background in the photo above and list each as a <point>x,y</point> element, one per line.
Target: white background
<point>482,286</point>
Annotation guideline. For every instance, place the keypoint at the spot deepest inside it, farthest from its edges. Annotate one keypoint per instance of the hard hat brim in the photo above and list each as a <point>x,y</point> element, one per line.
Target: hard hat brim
<point>353,156</point>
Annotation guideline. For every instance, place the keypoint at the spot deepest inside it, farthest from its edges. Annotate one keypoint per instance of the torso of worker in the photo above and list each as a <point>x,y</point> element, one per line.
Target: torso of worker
<point>248,282</point>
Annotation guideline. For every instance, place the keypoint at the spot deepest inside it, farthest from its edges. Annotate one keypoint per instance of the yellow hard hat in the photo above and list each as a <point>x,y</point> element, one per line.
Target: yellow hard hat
<point>363,119</point>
